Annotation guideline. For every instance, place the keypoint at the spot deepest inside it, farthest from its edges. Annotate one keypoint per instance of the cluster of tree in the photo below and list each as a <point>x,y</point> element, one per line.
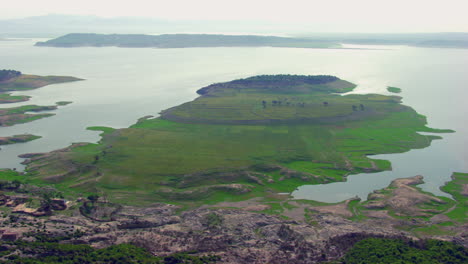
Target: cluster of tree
<point>279,103</point>
<point>361,106</point>
<point>381,250</point>
<point>286,79</point>
<point>42,236</point>
<point>10,185</point>
<point>84,254</point>
<point>8,74</point>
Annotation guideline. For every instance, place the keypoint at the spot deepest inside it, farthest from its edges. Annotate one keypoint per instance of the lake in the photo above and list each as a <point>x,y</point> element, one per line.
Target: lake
<point>124,84</point>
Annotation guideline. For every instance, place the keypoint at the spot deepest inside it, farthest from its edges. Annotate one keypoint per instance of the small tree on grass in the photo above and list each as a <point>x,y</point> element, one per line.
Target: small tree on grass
<point>93,198</point>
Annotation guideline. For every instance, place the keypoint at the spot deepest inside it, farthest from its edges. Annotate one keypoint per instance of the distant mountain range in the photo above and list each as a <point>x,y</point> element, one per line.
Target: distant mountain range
<point>53,26</point>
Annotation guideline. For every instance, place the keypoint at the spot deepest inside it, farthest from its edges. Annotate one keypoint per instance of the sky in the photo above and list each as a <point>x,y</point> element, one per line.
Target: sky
<point>334,15</point>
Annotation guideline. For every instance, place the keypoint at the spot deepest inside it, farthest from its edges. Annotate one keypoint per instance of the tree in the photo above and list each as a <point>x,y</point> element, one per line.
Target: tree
<point>15,184</point>
<point>93,198</point>
<point>362,107</point>
<point>6,75</point>
<point>354,108</point>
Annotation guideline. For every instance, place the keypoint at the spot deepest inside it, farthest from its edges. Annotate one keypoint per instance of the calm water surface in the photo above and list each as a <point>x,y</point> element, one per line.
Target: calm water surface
<point>124,84</point>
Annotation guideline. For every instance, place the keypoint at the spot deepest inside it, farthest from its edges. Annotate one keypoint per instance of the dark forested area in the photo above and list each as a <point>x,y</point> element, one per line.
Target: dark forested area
<point>379,250</point>
<point>8,74</point>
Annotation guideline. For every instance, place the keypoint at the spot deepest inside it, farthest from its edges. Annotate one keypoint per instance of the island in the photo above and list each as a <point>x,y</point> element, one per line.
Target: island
<point>393,89</point>
<point>17,139</point>
<point>18,115</point>
<point>209,181</point>
<point>6,98</point>
<point>182,41</point>
<point>62,103</point>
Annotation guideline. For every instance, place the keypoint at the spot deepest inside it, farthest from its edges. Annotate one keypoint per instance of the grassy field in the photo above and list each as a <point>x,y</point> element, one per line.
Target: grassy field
<point>458,188</point>
<point>217,153</point>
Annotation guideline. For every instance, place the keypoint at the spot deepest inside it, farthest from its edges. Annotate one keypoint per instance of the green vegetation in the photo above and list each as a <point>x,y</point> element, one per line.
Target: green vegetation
<point>393,89</point>
<point>182,41</point>
<point>458,188</point>
<point>46,252</point>
<point>228,145</point>
<point>379,250</point>
<point>7,98</point>
<point>10,175</point>
<point>17,115</point>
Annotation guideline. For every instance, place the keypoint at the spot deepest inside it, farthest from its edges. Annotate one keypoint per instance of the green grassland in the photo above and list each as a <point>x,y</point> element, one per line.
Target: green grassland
<point>228,145</point>
<point>458,188</point>
<point>28,82</point>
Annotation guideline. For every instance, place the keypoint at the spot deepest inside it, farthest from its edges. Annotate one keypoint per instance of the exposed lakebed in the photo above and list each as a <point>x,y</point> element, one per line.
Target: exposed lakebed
<point>125,84</point>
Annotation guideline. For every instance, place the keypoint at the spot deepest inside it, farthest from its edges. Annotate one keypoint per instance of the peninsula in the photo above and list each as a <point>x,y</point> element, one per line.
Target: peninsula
<point>12,80</point>
<point>182,41</point>
<point>242,139</point>
<point>17,139</point>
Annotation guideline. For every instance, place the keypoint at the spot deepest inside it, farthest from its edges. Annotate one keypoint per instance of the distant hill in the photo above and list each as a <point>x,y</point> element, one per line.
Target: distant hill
<point>437,40</point>
<point>52,26</point>
<point>180,41</point>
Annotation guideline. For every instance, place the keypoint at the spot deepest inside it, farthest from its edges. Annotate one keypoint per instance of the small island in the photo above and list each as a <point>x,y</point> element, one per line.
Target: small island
<point>182,41</point>
<point>62,103</point>
<point>393,89</point>
<point>18,115</point>
<point>6,98</point>
<point>17,139</point>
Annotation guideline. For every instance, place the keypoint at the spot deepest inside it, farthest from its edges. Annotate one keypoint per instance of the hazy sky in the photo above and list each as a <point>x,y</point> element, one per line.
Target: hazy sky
<point>336,15</point>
